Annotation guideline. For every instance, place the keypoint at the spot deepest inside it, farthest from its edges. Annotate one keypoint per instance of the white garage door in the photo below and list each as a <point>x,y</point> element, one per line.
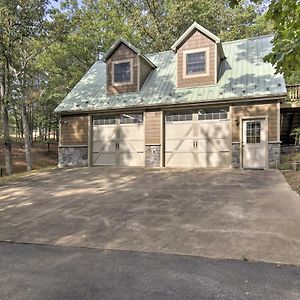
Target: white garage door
<point>118,140</point>
<point>198,139</point>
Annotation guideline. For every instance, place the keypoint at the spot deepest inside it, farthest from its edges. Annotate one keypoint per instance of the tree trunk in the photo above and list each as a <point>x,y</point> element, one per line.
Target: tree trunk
<point>18,130</point>
<point>7,141</point>
<point>6,134</point>
<point>27,142</point>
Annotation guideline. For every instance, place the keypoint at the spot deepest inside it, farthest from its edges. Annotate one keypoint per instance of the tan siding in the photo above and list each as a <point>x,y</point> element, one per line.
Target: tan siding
<point>122,52</point>
<point>74,130</point>
<point>197,40</point>
<point>145,70</point>
<point>268,109</point>
<point>152,127</point>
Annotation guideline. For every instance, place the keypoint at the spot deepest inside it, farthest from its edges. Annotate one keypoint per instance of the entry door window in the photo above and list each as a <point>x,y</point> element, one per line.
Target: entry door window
<point>253,132</point>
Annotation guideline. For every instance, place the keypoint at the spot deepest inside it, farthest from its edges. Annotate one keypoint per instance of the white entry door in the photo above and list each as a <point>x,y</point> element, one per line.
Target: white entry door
<point>254,144</point>
<point>118,140</point>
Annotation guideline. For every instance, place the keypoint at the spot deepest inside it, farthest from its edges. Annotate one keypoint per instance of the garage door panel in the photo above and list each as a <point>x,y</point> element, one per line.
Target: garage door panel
<point>211,149</point>
<point>213,160</point>
<point>218,129</point>
<point>132,159</point>
<point>178,131</point>
<point>131,132</point>
<point>108,159</point>
<point>213,145</point>
<point>131,146</point>
<point>179,143</point>
<point>102,146</point>
<point>183,159</point>
<point>185,145</point>
<point>118,144</point>
<point>104,133</point>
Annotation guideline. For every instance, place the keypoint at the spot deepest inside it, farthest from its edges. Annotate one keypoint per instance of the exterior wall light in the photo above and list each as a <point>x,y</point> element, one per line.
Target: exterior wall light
<point>237,122</point>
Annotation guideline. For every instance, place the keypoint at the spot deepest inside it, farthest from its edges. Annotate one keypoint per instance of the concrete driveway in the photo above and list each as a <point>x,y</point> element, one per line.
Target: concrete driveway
<point>213,213</point>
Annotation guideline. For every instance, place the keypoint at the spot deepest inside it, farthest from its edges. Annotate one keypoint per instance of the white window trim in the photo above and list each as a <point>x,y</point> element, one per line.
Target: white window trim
<point>206,73</point>
<point>115,62</point>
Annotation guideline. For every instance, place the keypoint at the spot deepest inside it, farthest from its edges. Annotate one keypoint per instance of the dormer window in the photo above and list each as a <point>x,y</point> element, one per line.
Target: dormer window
<point>122,72</point>
<point>195,63</point>
<point>126,68</point>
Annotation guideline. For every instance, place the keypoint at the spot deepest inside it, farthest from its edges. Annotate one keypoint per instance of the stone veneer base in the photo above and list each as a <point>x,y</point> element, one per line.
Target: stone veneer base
<point>73,156</point>
<point>273,153</point>
<point>152,155</point>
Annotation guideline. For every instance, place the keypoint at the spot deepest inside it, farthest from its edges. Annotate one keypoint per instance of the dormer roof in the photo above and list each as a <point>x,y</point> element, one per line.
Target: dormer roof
<point>120,41</point>
<point>190,30</point>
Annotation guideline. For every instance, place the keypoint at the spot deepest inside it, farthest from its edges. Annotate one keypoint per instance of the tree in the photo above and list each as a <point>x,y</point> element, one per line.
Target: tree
<point>21,25</point>
<point>162,22</point>
<point>296,135</point>
<point>285,54</point>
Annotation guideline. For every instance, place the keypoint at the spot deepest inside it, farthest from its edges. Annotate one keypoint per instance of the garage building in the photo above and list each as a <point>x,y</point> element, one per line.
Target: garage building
<point>202,104</point>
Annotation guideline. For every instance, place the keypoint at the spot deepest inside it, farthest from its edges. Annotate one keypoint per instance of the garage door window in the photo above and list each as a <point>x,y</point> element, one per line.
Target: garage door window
<point>179,117</point>
<point>105,120</point>
<point>131,119</point>
<point>213,114</point>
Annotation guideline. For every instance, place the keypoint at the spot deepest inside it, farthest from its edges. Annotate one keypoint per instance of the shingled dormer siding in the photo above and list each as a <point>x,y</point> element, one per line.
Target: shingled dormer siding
<point>145,70</point>
<point>122,53</point>
<point>197,41</point>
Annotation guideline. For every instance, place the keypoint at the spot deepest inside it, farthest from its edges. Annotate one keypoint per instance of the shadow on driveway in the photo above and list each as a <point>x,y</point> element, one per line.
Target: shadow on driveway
<point>212,213</point>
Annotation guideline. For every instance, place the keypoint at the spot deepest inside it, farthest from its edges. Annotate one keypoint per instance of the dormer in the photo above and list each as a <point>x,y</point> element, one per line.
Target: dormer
<point>198,55</point>
<point>126,68</point>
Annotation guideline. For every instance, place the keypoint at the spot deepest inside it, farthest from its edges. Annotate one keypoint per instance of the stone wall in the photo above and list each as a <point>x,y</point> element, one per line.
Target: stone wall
<point>72,156</point>
<point>274,154</point>
<point>235,159</point>
<point>152,156</point>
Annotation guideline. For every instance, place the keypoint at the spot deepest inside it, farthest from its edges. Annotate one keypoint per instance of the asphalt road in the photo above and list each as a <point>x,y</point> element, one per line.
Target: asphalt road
<point>52,272</point>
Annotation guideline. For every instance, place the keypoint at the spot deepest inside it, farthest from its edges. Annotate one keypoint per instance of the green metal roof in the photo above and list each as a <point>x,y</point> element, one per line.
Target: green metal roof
<point>242,74</point>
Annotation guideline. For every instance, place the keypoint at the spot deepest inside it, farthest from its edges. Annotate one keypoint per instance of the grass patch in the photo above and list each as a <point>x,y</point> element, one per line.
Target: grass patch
<point>290,158</point>
<point>285,166</point>
<point>293,179</point>
<point>286,160</point>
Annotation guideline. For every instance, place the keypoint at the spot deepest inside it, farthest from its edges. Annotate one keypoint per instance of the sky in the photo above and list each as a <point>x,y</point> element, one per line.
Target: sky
<point>57,3</point>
